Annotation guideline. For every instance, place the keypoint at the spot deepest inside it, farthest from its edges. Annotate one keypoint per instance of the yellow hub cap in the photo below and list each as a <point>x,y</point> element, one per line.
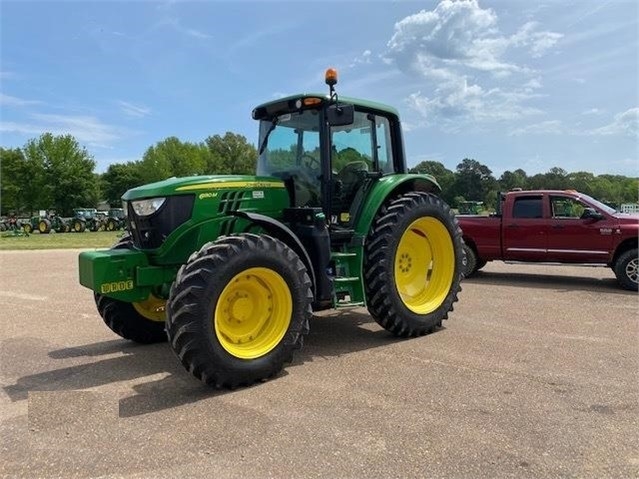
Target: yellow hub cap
<point>253,313</point>
<point>151,308</point>
<point>424,265</point>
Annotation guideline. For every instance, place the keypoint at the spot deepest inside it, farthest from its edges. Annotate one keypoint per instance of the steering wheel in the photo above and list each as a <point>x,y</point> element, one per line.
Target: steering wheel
<point>309,161</point>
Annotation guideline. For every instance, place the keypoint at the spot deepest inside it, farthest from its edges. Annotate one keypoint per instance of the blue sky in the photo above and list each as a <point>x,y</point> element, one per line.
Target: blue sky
<point>512,84</point>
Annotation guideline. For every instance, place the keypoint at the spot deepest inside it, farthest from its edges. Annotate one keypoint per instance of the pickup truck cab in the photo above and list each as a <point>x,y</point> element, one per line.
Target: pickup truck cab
<point>554,226</point>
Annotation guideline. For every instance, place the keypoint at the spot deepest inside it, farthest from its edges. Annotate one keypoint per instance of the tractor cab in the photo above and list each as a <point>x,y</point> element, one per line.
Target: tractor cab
<point>328,150</point>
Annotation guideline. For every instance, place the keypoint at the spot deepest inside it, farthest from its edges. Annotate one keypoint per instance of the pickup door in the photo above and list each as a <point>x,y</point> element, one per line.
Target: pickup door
<point>525,229</point>
<point>573,239</point>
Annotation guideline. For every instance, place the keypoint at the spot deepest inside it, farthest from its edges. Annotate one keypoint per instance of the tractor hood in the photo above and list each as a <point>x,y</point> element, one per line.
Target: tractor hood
<point>200,184</point>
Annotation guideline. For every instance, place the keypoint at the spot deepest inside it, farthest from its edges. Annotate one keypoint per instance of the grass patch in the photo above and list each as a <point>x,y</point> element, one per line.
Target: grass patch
<point>88,239</point>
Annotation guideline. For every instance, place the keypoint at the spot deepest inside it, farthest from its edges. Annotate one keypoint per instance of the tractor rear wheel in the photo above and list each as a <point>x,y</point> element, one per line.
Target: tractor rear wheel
<point>111,225</point>
<point>238,309</point>
<point>413,264</point>
<point>78,226</point>
<point>142,322</point>
<point>44,226</point>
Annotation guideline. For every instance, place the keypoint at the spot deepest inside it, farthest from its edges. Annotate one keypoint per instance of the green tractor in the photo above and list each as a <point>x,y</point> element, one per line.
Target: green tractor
<point>471,207</point>
<point>231,268</point>
<point>37,223</point>
<point>86,219</point>
<point>59,224</point>
<point>115,219</point>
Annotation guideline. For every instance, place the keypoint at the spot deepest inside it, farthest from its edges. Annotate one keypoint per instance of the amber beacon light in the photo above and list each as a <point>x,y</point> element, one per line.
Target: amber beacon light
<point>331,76</point>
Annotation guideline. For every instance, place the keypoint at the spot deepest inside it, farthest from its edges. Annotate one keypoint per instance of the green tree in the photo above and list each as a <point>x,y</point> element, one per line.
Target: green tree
<point>513,179</point>
<point>13,178</point>
<point>444,176</point>
<point>474,181</point>
<point>231,154</point>
<point>172,157</point>
<point>118,178</point>
<point>67,179</point>
<point>33,192</point>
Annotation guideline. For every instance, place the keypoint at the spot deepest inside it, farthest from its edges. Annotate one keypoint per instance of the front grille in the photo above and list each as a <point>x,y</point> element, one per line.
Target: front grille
<point>149,232</point>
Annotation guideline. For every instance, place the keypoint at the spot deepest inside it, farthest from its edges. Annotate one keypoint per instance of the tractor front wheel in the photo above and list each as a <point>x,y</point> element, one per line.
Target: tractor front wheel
<point>413,264</point>
<point>142,322</point>
<point>238,309</point>
<point>27,228</point>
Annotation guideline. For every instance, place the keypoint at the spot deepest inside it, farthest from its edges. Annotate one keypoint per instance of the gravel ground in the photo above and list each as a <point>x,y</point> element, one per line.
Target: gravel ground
<point>535,374</point>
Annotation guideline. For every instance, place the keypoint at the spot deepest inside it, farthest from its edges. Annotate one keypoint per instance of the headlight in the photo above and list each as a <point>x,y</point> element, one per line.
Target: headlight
<point>147,207</point>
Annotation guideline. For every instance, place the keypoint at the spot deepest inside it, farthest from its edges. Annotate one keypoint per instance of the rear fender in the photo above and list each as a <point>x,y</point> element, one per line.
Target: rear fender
<point>389,187</point>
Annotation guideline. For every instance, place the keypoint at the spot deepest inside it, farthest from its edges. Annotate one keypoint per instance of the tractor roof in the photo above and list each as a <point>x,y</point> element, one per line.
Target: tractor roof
<point>274,105</point>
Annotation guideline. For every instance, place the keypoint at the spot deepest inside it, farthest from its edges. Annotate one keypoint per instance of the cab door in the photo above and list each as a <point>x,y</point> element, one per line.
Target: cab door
<point>524,230</point>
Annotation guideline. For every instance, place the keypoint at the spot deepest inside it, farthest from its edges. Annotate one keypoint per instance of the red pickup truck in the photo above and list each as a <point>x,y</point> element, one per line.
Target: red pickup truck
<point>554,226</point>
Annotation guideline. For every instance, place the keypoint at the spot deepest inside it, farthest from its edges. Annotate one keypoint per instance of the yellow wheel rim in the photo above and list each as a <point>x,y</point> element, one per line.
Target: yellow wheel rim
<point>253,313</point>
<point>42,226</point>
<point>151,308</point>
<point>424,265</point>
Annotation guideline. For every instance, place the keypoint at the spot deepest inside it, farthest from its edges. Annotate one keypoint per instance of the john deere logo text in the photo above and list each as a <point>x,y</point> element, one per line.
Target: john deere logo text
<point>116,286</point>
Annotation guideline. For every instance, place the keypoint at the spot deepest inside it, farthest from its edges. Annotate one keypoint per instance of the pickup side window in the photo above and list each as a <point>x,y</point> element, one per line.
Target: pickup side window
<point>528,207</point>
<point>563,207</point>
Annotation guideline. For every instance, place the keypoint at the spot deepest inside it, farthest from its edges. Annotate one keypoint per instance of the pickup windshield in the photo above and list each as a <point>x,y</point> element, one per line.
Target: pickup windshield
<point>598,204</point>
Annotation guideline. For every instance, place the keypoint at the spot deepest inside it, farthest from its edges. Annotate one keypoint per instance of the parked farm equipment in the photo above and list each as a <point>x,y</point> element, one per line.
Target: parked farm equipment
<point>86,219</point>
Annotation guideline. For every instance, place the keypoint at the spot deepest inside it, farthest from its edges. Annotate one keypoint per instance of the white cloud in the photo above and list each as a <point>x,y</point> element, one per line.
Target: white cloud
<point>544,127</point>
<point>138,111</point>
<point>591,111</point>
<point>461,57</point>
<point>457,100</point>
<point>624,124</point>
<point>12,101</point>
<point>86,129</point>
<point>461,34</point>
<point>364,58</point>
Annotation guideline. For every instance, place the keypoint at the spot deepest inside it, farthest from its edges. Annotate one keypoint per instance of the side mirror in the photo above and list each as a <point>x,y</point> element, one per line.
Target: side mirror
<point>340,114</point>
<point>591,214</point>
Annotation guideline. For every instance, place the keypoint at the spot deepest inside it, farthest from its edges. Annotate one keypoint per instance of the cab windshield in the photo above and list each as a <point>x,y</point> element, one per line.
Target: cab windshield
<point>290,149</point>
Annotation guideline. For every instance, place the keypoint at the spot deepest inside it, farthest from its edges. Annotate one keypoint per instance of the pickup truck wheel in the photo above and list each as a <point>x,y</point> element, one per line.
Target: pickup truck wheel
<point>413,264</point>
<point>238,310</point>
<point>470,261</point>
<point>142,322</point>
<point>626,269</point>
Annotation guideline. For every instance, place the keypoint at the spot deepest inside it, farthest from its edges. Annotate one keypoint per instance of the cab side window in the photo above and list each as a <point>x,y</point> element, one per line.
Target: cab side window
<point>563,207</point>
<point>528,207</point>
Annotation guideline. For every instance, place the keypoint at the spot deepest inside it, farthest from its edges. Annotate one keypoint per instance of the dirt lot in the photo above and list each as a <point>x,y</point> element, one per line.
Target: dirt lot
<point>534,375</point>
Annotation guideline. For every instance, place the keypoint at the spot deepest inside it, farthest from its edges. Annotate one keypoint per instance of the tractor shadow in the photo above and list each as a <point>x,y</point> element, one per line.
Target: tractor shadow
<point>110,362</point>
